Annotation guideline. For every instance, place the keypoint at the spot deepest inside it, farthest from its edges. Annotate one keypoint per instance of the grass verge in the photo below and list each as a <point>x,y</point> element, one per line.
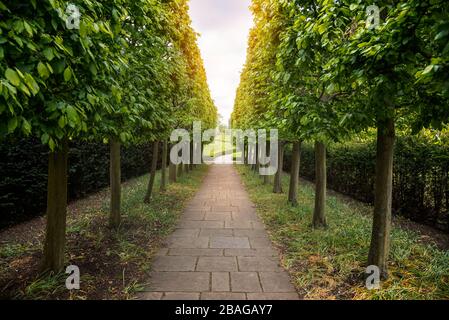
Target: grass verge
<point>113,264</point>
<point>330,263</point>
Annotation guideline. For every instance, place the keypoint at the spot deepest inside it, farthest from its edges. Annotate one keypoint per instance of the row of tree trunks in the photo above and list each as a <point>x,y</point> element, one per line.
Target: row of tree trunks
<point>381,229</point>
<point>54,244</point>
<point>152,172</point>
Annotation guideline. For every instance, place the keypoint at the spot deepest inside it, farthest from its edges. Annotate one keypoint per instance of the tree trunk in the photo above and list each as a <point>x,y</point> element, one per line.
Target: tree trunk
<point>153,172</point>
<point>277,186</point>
<point>164,166</point>
<point>202,151</point>
<point>115,182</point>
<point>172,172</point>
<point>191,156</point>
<point>266,178</point>
<point>251,156</point>
<point>294,173</point>
<point>380,238</point>
<point>54,246</point>
<point>319,212</point>
<point>180,169</point>
<point>245,151</point>
<point>257,165</point>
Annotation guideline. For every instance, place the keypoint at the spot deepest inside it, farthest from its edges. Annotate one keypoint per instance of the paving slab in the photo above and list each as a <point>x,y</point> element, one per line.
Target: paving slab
<point>179,281</point>
<point>229,242</point>
<point>216,264</point>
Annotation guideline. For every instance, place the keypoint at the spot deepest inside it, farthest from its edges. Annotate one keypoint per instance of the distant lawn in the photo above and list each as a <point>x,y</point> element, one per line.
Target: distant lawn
<point>113,264</point>
<point>330,264</point>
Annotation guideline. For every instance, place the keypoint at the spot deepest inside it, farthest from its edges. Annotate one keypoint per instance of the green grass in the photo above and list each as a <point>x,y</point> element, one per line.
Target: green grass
<point>113,263</point>
<point>11,250</point>
<point>330,263</point>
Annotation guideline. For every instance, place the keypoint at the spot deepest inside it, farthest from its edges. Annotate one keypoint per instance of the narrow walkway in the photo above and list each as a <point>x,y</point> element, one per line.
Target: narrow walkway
<point>220,249</point>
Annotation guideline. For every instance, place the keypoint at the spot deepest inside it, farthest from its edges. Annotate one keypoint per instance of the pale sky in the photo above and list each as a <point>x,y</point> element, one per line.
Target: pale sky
<point>223,26</point>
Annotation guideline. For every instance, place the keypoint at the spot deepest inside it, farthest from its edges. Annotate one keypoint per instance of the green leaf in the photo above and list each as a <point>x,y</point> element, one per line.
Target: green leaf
<point>72,115</point>
<point>322,28</point>
<point>48,53</point>
<point>2,53</point>
<point>51,144</point>
<point>12,77</point>
<point>442,34</point>
<point>44,138</point>
<point>12,124</point>
<point>31,83</point>
<point>93,69</point>
<point>59,66</point>
<point>67,74</point>
<point>22,87</point>
<point>62,122</point>
<point>428,69</point>
<point>26,127</point>
<point>43,71</point>
<point>91,99</point>
<point>28,28</point>
<point>3,7</point>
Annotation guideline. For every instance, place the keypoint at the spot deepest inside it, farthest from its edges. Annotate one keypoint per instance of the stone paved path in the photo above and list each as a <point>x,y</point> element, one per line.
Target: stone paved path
<point>220,249</point>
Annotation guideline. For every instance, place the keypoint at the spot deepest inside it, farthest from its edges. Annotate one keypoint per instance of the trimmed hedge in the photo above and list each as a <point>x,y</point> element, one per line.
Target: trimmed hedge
<point>420,179</point>
<point>23,171</point>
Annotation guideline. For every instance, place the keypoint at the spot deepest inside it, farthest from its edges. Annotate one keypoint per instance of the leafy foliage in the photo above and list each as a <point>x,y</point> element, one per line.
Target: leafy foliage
<point>118,75</point>
<point>316,71</point>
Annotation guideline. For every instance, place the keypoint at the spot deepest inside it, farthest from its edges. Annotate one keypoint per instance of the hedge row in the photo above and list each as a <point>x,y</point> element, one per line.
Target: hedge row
<point>420,180</point>
<point>23,171</point>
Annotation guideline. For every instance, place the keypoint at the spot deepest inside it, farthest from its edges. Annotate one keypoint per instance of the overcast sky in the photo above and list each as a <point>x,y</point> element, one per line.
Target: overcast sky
<point>223,26</point>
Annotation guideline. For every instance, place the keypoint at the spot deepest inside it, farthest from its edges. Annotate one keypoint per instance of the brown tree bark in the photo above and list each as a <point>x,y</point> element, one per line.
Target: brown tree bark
<point>266,178</point>
<point>191,156</point>
<point>164,166</point>
<point>294,173</point>
<point>251,157</point>
<point>180,168</point>
<point>115,182</point>
<point>319,212</point>
<point>380,238</point>
<point>202,151</point>
<point>54,246</point>
<point>172,172</point>
<point>245,151</point>
<point>155,154</point>
<point>257,165</point>
<point>277,185</point>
